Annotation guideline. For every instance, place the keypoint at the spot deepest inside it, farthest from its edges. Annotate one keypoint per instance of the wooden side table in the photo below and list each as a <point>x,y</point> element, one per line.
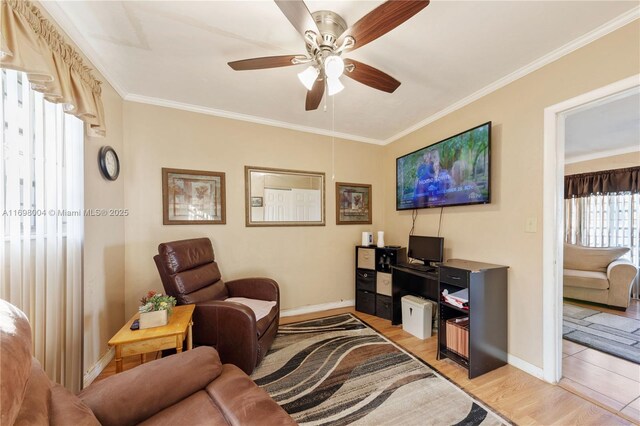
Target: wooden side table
<point>138,342</point>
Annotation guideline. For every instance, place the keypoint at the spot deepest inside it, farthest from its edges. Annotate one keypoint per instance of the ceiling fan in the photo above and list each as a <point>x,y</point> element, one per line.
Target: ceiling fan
<point>327,38</point>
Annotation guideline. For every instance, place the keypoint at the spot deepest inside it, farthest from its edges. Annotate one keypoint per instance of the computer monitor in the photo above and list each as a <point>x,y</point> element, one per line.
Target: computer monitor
<point>426,249</point>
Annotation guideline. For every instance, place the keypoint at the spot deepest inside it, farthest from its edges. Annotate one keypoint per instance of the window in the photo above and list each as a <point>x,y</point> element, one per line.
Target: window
<point>606,221</point>
<point>41,165</point>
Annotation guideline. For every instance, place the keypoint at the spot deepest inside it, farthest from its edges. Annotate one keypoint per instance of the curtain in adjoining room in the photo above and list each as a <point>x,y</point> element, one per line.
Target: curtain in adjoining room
<point>30,43</point>
<point>602,209</point>
<point>602,182</point>
<point>42,224</point>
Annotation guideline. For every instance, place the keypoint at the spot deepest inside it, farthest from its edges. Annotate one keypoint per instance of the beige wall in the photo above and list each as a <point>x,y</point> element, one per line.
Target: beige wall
<point>312,264</point>
<point>104,238</point>
<point>622,161</point>
<point>496,232</point>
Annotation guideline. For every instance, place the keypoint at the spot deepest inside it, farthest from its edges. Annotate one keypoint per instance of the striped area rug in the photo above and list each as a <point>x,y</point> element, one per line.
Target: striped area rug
<point>338,371</point>
<point>613,334</point>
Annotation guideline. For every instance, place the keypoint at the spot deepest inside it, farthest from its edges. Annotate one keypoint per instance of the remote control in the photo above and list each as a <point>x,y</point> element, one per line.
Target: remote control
<point>135,325</point>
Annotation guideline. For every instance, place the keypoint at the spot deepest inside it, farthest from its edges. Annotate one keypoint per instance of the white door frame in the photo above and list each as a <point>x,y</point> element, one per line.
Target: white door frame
<point>553,218</point>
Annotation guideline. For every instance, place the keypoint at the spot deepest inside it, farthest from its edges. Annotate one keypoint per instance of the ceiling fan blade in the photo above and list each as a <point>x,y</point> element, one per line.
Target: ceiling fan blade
<point>381,20</point>
<point>370,76</point>
<point>298,14</point>
<point>266,62</point>
<point>314,96</point>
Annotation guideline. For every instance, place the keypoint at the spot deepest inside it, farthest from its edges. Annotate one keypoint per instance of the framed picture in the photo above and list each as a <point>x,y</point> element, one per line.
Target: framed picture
<point>191,197</point>
<point>353,203</point>
<point>256,201</point>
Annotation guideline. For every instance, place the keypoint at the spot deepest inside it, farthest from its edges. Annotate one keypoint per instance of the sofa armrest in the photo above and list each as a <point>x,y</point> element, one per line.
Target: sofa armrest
<point>243,403</point>
<point>255,288</point>
<point>137,394</point>
<point>621,275</point>
<point>231,328</point>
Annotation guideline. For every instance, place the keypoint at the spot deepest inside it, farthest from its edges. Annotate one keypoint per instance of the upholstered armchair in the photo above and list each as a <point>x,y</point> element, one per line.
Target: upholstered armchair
<point>598,275</point>
<point>239,318</point>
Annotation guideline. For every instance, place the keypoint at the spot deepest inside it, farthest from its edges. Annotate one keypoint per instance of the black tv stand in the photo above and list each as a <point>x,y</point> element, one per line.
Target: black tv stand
<point>406,280</point>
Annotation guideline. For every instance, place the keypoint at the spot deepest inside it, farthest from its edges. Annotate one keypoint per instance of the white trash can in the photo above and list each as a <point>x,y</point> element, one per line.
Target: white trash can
<point>417,314</point>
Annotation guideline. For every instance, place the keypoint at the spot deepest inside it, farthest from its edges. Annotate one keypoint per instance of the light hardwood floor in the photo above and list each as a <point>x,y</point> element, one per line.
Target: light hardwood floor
<point>519,397</point>
<point>608,381</point>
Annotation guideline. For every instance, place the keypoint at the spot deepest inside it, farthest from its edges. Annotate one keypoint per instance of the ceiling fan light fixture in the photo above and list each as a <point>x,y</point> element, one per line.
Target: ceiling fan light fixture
<point>333,66</point>
<point>308,76</point>
<point>334,86</point>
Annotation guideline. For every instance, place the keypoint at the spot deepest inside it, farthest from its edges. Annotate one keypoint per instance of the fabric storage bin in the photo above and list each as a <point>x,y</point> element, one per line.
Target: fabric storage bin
<point>457,330</point>
<point>383,306</point>
<point>366,258</point>
<point>365,280</point>
<point>383,283</point>
<point>366,302</point>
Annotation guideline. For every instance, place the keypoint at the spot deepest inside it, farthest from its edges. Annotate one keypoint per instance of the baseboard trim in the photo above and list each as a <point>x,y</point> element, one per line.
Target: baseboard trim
<point>97,368</point>
<point>309,309</point>
<point>525,366</point>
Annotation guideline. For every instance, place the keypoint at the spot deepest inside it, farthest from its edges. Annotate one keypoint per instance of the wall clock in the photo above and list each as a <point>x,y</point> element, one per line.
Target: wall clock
<point>109,163</point>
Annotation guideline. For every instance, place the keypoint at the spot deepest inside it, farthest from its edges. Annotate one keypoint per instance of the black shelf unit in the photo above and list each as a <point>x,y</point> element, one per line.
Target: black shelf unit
<point>488,325</point>
<point>373,278</point>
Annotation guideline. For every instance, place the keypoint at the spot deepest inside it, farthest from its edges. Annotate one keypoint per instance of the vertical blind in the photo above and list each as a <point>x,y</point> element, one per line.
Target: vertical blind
<point>42,223</point>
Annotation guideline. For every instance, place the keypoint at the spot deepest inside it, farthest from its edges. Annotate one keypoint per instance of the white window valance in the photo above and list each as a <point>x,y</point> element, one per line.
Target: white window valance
<point>31,43</point>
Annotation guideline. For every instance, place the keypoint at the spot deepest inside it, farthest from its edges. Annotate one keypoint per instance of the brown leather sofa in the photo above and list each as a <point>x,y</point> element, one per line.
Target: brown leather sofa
<point>190,273</point>
<point>188,388</point>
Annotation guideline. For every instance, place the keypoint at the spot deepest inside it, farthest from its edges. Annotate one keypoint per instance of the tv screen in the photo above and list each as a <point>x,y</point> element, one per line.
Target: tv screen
<point>427,249</point>
<point>452,172</point>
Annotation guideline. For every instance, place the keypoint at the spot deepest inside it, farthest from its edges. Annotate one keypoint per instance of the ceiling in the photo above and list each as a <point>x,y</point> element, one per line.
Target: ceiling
<point>175,53</point>
<point>603,128</point>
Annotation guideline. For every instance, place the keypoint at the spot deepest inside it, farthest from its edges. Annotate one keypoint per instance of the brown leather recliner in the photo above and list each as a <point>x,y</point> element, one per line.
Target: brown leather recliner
<point>187,389</point>
<point>190,273</point>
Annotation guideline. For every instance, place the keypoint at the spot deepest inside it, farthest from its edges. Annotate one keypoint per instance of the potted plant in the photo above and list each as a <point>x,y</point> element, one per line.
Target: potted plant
<point>155,309</point>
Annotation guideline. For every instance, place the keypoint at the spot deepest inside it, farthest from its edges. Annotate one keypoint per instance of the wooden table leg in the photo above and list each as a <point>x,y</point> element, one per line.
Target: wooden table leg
<point>141,358</point>
<point>189,337</point>
<point>118,359</point>
<point>179,340</point>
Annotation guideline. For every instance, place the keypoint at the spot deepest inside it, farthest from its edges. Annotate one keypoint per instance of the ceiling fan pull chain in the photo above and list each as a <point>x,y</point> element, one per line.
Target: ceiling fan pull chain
<point>333,139</point>
<point>325,98</point>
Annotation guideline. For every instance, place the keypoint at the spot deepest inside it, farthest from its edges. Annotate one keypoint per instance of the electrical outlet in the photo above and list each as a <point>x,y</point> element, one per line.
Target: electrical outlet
<point>531,225</point>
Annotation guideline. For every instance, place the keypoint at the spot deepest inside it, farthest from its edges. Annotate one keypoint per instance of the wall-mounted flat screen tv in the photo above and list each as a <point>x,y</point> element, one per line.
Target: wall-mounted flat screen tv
<point>452,172</point>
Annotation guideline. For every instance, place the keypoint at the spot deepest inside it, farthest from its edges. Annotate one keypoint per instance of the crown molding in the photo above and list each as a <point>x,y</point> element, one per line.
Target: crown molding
<point>70,30</point>
<point>600,154</point>
<point>582,41</point>
<point>245,117</point>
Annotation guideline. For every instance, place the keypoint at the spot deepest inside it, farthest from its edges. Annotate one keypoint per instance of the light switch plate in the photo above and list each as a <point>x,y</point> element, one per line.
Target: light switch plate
<point>531,225</point>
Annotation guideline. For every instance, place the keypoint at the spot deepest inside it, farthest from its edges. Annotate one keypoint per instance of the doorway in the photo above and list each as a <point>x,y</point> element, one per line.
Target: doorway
<point>553,233</point>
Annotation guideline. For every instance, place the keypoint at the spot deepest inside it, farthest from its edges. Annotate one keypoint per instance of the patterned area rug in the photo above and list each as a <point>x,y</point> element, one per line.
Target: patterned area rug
<point>338,371</point>
<point>614,334</point>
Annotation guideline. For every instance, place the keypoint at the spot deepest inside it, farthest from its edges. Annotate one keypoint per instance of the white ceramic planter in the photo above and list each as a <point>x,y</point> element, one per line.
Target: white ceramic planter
<point>153,319</point>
